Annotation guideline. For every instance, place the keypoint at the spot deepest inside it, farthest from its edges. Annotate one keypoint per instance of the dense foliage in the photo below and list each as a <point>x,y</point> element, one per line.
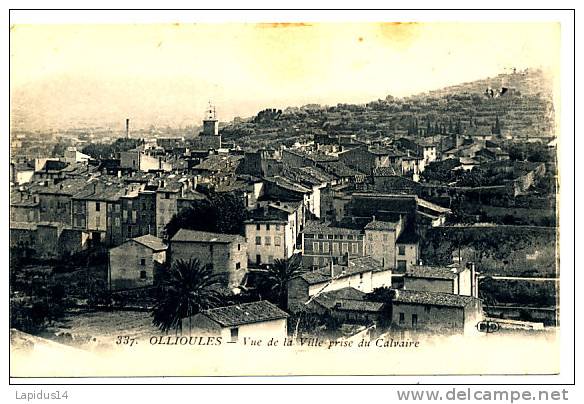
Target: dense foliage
<point>219,213</point>
<point>188,289</point>
<point>105,150</point>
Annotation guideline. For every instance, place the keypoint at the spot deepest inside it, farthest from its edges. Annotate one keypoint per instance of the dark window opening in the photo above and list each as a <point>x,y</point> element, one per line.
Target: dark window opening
<point>234,334</point>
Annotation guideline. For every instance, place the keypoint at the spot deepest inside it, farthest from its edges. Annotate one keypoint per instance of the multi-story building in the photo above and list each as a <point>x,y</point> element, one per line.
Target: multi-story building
<point>167,196</point>
<point>55,200</point>
<point>362,273</point>
<point>380,240</point>
<point>269,238</point>
<point>97,209</point>
<point>366,159</point>
<point>459,280</point>
<point>323,243</point>
<point>435,313</point>
<point>135,262</point>
<point>225,254</point>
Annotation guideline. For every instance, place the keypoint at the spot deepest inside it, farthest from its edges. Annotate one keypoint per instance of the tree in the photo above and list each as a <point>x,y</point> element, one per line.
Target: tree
<point>276,278</point>
<point>218,213</point>
<point>496,129</point>
<point>188,289</point>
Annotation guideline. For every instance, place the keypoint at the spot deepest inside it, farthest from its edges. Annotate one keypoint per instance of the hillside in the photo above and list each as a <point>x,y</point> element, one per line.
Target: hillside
<point>524,109</point>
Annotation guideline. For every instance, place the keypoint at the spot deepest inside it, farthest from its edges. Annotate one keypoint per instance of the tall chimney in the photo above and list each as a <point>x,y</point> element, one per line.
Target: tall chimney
<point>127,128</point>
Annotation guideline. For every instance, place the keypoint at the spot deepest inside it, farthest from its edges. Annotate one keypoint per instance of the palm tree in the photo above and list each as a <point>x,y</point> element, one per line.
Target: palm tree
<point>278,276</point>
<point>188,289</point>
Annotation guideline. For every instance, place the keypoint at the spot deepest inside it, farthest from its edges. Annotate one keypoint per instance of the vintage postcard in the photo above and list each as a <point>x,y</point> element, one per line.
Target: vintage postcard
<point>273,198</point>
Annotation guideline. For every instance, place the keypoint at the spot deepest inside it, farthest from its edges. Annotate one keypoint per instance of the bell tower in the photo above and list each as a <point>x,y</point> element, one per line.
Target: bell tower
<point>210,123</point>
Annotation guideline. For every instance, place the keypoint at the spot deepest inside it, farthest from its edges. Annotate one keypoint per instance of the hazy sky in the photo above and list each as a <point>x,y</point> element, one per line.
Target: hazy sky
<point>65,75</point>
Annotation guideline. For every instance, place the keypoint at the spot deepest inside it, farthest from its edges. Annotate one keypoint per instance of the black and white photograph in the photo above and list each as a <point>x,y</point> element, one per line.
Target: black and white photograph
<point>285,196</point>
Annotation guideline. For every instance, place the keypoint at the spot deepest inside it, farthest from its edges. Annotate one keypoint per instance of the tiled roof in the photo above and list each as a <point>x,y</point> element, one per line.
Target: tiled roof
<point>356,265</point>
<point>429,205</point>
<point>384,172</point>
<point>99,191</point>
<point>289,207</point>
<point>248,313</point>
<point>382,151</point>
<point>348,299</point>
<point>204,237</point>
<point>432,298</point>
<point>151,242</point>
<point>380,225</point>
<point>287,184</point>
<point>416,271</point>
<point>65,187</point>
<point>313,226</point>
<point>339,169</point>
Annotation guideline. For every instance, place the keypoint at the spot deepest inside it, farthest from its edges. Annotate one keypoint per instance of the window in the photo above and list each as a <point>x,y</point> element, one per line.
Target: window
<point>267,226</point>
<point>258,240</point>
<point>402,318</point>
<point>142,274</point>
<point>354,248</point>
<point>277,227</point>
<point>350,237</point>
<point>270,259</point>
<point>320,236</point>
<point>97,221</point>
<point>166,195</point>
<point>238,247</point>
<point>234,334</point>
<point>325,247</point>
<point>414,320</point>
<point>211,248</point>
<point>402,250</point>
<point>402,265</point>
<point>277,241</point>
<point>427,309</point>
<point>330,237</point>
<point>345,247</point>
<point>97,206</point>
<point>360,278</point>
<point>143,261</point>
<point>117,208</point>
<point>258,226</point>
<point>315,246</point>
<point>335,248</point>
<point>268,240</point>
<point>237,265</point>
<point>370,237</point>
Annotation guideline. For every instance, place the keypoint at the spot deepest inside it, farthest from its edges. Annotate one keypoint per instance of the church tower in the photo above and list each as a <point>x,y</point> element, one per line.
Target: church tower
<point>210,123</point>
